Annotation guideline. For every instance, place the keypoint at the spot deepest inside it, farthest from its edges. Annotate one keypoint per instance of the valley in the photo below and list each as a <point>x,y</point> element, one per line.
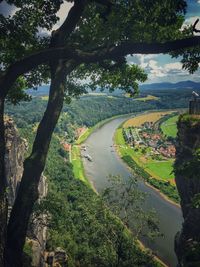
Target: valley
<point>72,142</point>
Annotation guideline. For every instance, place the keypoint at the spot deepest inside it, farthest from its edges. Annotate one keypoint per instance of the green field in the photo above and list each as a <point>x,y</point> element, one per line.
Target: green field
<point>163,170</point>
<point>147,98</point>
<point>169,127</point>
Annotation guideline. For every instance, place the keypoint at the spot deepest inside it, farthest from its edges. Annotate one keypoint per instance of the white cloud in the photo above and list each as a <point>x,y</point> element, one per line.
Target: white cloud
<point>161,68</point>
<point>140,59</point>
<point>173,66</point>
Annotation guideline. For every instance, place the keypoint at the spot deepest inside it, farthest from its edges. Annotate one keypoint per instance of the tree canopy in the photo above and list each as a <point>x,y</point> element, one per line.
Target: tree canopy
<point>97,34</point>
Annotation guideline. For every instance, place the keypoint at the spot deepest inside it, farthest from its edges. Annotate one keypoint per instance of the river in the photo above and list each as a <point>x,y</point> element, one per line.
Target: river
<point>105,162</point>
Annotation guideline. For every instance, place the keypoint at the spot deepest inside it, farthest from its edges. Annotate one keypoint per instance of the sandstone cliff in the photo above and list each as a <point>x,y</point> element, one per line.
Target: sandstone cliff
<point>16,148</point>
<point>187,173</point>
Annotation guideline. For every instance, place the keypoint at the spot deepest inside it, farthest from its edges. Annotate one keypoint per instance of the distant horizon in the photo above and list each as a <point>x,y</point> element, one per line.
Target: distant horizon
<point>48,84</point>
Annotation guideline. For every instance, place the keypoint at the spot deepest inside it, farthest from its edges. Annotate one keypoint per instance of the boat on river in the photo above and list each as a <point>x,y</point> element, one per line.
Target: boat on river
<point>88,157</point>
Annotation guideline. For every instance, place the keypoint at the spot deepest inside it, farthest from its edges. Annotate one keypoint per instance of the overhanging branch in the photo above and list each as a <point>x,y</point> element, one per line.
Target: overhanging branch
<point>66,53</point>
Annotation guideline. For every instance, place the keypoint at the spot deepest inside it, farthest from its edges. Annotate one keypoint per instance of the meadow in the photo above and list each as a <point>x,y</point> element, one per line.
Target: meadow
<point>169,127</point>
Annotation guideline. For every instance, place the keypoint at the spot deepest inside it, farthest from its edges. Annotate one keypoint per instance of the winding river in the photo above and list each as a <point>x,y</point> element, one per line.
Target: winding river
<point>105,162</point>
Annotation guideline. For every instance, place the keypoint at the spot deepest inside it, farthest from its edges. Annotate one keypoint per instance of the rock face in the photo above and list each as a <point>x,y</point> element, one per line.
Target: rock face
<point>37,233</point>
<point>187,173</point>
<point>16,148</point>
<point>14,157</point>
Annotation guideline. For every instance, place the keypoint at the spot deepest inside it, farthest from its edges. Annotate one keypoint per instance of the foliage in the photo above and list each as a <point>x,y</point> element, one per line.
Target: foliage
<point>196,201</point>
<point>27,31</point>
<point>126,201</point>
<point>190,167</point>
<point>83,111</point>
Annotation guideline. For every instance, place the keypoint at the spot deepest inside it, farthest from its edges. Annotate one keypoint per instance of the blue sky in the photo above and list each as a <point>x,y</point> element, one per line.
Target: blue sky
<point>160,68</point>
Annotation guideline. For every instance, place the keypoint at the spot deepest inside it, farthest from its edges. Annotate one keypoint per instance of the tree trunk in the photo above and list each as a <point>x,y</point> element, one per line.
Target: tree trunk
<point>33,168</point>
<point>3,197</point>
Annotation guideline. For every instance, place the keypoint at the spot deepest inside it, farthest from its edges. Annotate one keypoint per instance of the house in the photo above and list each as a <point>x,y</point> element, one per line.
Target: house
<point>67,147</point>
<point>80,131</point>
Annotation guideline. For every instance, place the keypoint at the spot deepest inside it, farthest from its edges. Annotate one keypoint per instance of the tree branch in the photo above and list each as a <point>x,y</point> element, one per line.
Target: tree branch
<point>64,31</point>
<point>113,53</point>
<point>194,26</point>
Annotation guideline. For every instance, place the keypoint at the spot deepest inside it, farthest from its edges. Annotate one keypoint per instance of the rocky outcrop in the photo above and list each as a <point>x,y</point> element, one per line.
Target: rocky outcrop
<point>57,258</point>
<point>187,176</point>
<point>14,157</point>
<point>37,233</point>
<point>16,147</point>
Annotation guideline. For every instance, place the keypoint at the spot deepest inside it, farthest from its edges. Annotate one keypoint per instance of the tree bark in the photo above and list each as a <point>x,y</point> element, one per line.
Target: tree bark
<point>3,197</point>
<point>33,168</point>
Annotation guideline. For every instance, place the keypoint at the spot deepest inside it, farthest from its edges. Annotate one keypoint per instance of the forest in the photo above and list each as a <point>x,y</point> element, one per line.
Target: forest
<point>89,110</point>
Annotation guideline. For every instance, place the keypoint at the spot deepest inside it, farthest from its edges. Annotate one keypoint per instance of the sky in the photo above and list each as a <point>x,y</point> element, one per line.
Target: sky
<point>160,68</point>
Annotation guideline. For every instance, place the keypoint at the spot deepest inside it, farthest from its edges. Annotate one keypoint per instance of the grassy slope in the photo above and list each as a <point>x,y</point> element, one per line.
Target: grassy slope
<point>169,127</point>
<point>77,164</point>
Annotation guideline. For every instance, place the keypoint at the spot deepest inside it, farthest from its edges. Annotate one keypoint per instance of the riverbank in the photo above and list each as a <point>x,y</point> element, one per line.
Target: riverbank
<point>89,131</point>
<point>76,158</point>
<point>126,153</point>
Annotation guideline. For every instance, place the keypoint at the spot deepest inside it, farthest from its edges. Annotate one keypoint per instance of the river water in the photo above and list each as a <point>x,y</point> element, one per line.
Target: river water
<point>106,162</point>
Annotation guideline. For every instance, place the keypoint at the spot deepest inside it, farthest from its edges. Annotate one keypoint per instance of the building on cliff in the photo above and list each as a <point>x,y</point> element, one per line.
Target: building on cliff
<point>194,104</point>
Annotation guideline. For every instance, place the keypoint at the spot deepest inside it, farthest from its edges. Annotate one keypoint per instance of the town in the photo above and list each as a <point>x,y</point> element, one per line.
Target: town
<point>150,139</point>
